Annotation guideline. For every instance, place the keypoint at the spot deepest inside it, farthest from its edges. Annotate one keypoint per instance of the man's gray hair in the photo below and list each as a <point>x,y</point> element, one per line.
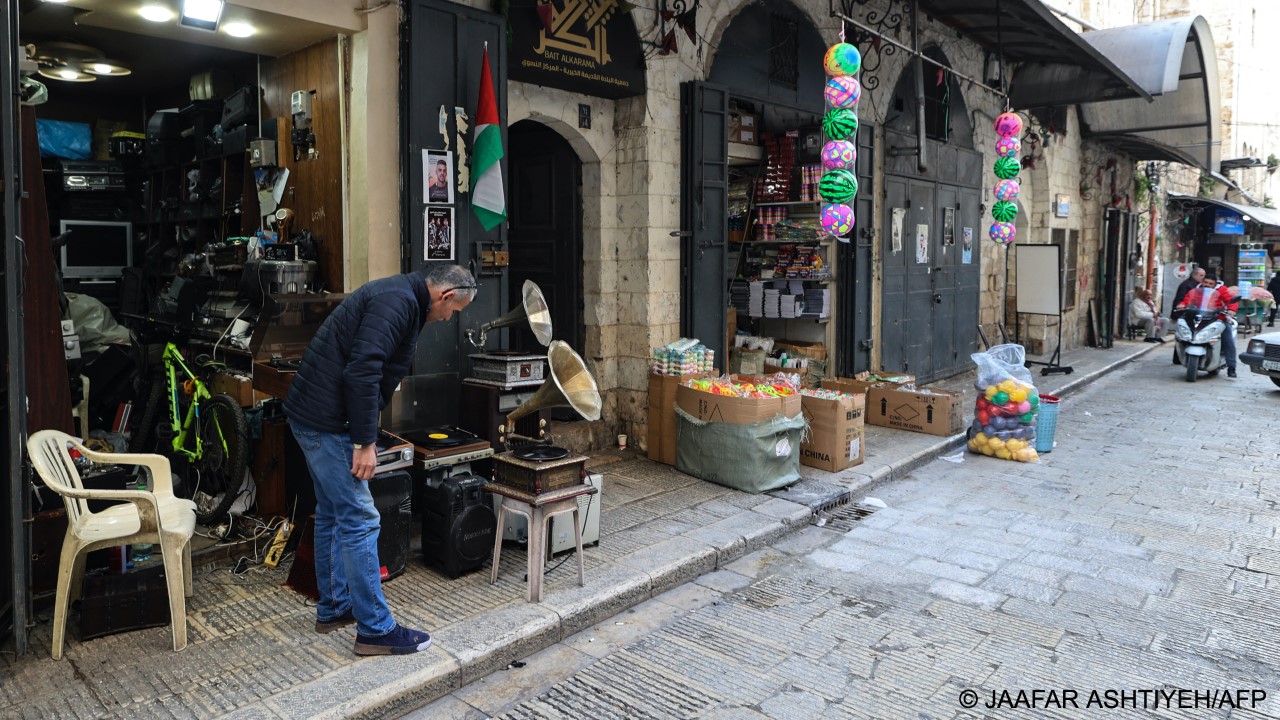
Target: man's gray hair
<point>453,277</point>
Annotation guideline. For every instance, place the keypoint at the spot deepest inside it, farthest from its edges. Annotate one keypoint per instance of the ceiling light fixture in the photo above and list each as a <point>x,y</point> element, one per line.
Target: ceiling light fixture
<point>156,13</point>
<point>65,73</point>
<point>239,29</point>
<point>106,68</point>
<point>201,14</point>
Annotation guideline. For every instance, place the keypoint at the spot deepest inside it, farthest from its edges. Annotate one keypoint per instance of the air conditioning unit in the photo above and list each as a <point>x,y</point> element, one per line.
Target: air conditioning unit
<point>516,526</point>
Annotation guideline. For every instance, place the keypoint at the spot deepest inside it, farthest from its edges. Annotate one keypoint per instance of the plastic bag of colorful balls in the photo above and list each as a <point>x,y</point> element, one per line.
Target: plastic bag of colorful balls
<point>774,386</point>
<point>1004,423</point>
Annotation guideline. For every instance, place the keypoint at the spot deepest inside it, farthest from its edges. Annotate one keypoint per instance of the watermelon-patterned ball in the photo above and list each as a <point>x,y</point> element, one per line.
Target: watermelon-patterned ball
<point>1008,125</point>
<point>843,91</point>
<point>1003,233</point>
<point>837,219</point>
<point>1005,211</point>
<point>839,123</point>
<point>1007,190</point>
<point>842,59</point>
<point>1008,146</point>
<point>838,186</point>
<point>839,155</point>
<point>1007,168</point>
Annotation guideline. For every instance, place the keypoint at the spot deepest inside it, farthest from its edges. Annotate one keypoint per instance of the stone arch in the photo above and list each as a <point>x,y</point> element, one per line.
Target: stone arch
<point>724,13</point>
<point>900,113</point>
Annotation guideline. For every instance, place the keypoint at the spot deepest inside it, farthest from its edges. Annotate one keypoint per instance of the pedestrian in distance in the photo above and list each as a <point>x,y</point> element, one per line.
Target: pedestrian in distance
<point>1191,283</point>
<point>349,370</point>
<point>1142,311</point>
<point>1273,287</point>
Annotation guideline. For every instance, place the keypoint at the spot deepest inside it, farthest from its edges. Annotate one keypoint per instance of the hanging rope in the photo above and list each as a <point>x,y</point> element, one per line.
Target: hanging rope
<point>1004,83</point>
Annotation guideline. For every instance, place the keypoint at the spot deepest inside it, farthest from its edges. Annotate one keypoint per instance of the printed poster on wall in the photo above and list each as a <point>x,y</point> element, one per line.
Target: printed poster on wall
<point>966,247</point>
<point>437,170</point>
<point>438,244</point>
<point>922,244</point>
<point>899,217</point>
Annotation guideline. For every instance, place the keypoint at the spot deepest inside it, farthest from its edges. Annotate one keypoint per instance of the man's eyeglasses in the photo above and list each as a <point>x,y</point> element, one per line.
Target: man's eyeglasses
<point>459,287</point>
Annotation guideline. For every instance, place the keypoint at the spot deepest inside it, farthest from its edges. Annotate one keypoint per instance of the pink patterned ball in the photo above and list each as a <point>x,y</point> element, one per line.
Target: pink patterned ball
<point>843,91</point>
<point>1008,146</point>
<point>1007,190</point>
<point>839,155</point>
<point>1003,233</point>
<point>837,219</point>
<point>1008,125</point>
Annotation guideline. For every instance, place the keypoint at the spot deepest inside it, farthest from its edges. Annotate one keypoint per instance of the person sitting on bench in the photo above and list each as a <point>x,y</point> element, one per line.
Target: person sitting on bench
<point>1142,312</point>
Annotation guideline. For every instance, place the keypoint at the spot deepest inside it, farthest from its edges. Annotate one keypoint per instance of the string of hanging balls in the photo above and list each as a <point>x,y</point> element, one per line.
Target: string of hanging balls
<point>839,184</point>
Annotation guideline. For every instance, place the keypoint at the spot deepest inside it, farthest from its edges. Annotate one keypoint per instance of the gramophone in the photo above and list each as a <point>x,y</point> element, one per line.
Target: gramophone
<point>535,465</point>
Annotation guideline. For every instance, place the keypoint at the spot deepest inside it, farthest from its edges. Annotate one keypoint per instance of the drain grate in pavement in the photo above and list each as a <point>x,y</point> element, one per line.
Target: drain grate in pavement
<point>842,517</point>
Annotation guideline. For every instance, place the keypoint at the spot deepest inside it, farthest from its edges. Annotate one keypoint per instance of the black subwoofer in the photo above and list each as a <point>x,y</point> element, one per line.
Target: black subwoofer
<point>458,523</point>
<point>391,495</point>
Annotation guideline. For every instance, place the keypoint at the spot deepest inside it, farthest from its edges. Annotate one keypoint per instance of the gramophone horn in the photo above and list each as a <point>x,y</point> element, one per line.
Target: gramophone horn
<point>533,309</point>
<point>571,385</point>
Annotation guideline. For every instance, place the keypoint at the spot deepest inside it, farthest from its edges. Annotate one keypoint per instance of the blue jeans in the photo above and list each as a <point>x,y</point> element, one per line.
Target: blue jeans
<point>346,534</point>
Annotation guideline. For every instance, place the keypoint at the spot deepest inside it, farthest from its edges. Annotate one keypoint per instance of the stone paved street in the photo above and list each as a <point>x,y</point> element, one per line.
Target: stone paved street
<point>1140,555</point>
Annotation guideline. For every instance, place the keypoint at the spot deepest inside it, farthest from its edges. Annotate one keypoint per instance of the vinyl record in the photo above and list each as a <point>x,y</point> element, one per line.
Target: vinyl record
<point>540,453</point>
<point>439,438</point>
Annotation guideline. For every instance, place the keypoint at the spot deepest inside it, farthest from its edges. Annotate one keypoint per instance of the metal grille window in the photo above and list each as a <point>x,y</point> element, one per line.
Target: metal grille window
<point>784,55</point>
<point>1070,242</point>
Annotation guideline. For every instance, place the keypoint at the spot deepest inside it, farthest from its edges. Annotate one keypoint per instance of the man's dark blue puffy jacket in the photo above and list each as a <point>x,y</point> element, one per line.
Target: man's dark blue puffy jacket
<point>358,357</point>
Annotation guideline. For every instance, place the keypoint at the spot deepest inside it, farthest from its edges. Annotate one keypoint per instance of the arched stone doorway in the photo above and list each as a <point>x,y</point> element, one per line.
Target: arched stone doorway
<point>933,227</point>
<point>545,232</point>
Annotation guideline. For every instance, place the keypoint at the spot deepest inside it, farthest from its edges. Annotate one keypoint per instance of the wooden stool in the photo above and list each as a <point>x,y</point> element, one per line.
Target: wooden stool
<point>538,509</point>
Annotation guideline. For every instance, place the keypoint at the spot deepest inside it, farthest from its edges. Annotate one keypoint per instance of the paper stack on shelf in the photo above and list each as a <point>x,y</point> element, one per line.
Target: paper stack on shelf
<point>755,306</point>
<point>771,302</point>
<point>740,297</point>
<point>792,306</point>
<point>817,302</point>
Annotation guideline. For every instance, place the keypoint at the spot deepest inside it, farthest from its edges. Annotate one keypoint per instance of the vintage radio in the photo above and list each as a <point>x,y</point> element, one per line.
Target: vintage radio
<point>509,369</point>
<point>92,175</point>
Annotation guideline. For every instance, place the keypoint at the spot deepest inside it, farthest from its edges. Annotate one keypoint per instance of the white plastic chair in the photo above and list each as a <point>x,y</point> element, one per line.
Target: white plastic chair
<point>142,516</point>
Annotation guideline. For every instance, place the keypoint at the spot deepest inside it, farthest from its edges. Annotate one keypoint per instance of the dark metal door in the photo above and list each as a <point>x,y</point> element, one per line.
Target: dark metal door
<point>944,279</point>
<point>704,295</point>
<point>14,595</point>
<point>893,303</point>
<point>442,45</point>
<point>854,285</point>
<point>968,279</point>
<point>545,236</point>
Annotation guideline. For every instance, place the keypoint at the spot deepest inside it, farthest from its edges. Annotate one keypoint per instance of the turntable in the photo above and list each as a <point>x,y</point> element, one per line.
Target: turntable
<point>445,446</point>
<point>285,326</point>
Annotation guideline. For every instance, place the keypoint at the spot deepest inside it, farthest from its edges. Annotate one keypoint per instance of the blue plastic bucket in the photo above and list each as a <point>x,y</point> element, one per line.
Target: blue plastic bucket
<point>1046,423</point>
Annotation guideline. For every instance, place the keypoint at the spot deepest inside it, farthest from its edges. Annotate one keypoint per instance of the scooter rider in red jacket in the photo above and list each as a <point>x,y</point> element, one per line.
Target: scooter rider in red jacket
<point>1212,296</point>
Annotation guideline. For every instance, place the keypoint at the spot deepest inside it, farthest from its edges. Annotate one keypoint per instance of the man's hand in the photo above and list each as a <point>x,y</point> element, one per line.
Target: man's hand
<point>363,461</point>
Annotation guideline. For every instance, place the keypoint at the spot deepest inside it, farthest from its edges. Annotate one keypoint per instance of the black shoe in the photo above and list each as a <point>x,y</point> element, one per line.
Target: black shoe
<point>400,641</point>
<point>343,620</point>
<point>1152,340</point>
<point>1231,372</point>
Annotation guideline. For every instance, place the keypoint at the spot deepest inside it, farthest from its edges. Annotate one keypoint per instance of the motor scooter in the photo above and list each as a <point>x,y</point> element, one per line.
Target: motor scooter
<point>1199,346</point>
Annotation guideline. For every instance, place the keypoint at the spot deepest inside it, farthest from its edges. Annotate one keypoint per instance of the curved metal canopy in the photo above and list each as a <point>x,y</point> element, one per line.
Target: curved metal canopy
<point>1175,61</point>
<point>1268,218</point>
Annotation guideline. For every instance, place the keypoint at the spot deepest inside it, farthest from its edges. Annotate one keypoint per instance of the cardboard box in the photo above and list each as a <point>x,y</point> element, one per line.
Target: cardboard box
<point>710,407</point>
<point>937,412</point>
<point>814,350</point>
<point>744,128</point>
<point>662,416</point>
<point>238,387</point>
<point>861,383</point>
<point>835,439</point>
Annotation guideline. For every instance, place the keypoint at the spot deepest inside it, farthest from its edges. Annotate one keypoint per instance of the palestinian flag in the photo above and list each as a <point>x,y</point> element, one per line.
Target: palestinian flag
<point>487,197</point>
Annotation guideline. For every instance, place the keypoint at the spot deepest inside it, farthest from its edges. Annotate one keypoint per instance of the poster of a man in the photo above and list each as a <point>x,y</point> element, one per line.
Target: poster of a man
<point>437,175</point>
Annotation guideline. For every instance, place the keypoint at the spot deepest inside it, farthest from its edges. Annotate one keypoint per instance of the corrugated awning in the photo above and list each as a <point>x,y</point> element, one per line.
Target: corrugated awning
<point>1178,117</point>
<point>1268,218</point>
<point>1027,32</point>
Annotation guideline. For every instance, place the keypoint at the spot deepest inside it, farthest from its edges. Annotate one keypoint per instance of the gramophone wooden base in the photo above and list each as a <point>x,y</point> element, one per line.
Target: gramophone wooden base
<point>536,477</point>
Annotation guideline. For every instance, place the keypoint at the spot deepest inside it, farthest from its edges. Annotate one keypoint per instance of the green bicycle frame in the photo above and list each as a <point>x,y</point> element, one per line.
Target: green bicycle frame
<point>184,427</point>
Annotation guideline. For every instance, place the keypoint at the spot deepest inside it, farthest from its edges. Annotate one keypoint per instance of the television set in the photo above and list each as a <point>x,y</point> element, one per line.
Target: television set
<point>96,249</point>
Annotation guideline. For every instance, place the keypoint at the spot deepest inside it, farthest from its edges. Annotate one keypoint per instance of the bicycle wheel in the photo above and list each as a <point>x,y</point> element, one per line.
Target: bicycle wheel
<point>224,436</point>
<point>143,432</point>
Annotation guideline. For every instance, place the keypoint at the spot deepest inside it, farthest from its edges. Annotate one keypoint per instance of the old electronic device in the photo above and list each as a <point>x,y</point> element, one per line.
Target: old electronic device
<point>92,176</point>
<point>240,107</point>
<point>302,137</point>
<point>262,153</point>
<point>392,496</point>
<point>96,248</point>
<point>532,310</point>
<point>280,251</point>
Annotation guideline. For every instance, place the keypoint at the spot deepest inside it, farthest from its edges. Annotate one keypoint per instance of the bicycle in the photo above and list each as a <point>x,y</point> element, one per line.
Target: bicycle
<point>207,431</point>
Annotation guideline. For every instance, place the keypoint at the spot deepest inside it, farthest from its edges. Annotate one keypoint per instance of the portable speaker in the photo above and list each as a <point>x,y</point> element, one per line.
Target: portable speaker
<point>391,495</point>
<point>458,524</point>
<point>240,108</point>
